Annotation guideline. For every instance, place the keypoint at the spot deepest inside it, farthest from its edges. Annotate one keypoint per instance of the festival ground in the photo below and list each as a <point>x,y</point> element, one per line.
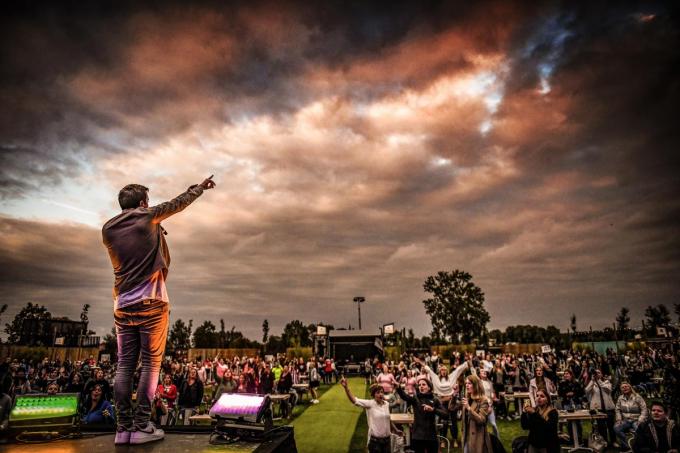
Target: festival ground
<point>332,426</point>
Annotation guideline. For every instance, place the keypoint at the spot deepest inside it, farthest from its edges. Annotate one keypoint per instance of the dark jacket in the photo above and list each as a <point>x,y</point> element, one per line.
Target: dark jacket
<point>191,395</point>
<point>285,383</point>
<point>664,438</point>
<point>135,242</point>
<point>542,432</point>
<point>424,427</point>
<point>107,391</point>
<point>266,382</point>
<point>574,386</point>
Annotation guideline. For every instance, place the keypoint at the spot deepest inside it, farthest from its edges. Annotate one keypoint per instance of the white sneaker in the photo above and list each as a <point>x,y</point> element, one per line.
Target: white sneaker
<point>315,401</point>
<point>122,437</point>
<point>148,434</point>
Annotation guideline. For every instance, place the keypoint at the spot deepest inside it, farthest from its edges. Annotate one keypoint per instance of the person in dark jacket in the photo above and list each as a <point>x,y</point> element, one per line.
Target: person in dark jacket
<point>98,379</point>
<point>285,382</point>
<point>425,408</point>
<point>266,380</point>
<point>572,394</point>
<point>76,384</point>
<point>671,386</point>
<point>98,409</point>
<point>190,395</point>
<point>571,391</point>
<point>135,241</point>
<point>658,434</point>
<point>542,422</point>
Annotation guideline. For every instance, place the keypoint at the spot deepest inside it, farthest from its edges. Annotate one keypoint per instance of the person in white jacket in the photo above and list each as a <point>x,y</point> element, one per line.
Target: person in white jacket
<point>540,381</point>
<point>444,388</point>
<point>599,393</point>
<point>631,411</point>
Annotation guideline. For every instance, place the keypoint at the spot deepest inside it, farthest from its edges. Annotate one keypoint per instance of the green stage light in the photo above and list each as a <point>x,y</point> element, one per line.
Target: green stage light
<point>44,408</point>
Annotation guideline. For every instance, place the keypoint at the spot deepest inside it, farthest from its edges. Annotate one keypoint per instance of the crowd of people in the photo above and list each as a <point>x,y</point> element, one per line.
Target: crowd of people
<point>185,387</point>
<point>476,390</point>
<point>638,391</point>
<point>182,390</point>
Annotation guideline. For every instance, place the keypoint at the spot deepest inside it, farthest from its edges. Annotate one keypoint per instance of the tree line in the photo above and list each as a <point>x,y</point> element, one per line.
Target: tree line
<point>455,306</point>
<point>295,334</point>
<point>456,310</point>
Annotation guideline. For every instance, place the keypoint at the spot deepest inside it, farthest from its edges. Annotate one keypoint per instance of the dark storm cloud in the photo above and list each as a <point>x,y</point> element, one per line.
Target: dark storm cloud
<point>59,266</point>
<point>603,140</point>
<point>619,87</point>
<point>348,147</point>
<point>70,73</point>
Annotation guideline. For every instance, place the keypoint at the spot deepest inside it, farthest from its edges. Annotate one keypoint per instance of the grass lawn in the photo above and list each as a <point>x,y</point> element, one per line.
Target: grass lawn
<point>511,429</point>
<point>335,425</point>
<point>301,407</point>
<point>360,436</point>
<point>330,425</point>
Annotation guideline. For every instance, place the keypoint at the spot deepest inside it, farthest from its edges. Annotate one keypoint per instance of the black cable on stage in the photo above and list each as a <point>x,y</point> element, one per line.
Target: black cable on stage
<point>19,438</point>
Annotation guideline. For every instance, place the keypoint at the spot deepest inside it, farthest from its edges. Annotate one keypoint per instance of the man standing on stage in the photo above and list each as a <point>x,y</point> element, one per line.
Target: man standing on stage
<point>140,257</point>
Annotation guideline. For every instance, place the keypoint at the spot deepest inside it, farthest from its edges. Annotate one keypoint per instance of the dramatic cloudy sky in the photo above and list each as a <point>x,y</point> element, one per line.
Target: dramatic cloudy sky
<point>356,151</point>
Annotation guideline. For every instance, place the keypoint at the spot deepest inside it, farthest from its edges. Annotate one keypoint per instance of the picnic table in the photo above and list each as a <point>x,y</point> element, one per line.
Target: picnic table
<point>301,389</point>
<point>352,368</point>
<point>405,421</point>
<point>278,399</point>
<point>581,414</point>
<point>517,397</point>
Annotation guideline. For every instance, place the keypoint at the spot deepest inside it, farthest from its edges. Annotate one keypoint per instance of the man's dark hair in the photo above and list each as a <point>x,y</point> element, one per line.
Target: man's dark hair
<point>131,195</point>
<point>659,403</point>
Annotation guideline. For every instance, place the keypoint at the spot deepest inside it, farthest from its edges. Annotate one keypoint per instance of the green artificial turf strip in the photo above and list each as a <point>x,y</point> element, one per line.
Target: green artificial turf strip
<point>302,406</point>
<point>330,425</point>
<point>361,432</point>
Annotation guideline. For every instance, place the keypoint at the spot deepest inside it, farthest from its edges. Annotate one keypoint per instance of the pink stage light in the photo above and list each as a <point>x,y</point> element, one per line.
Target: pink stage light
<point>235,405</point>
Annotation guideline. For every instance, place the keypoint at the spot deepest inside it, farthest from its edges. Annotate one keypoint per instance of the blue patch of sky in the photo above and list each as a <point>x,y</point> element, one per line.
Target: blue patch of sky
<point>83,199</point>
<point>553,35</point>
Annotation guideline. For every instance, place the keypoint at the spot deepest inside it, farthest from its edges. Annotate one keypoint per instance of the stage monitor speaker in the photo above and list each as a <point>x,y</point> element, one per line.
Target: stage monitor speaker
<point>40,411</point>
<point>240,406</point>
<point>240,414</point>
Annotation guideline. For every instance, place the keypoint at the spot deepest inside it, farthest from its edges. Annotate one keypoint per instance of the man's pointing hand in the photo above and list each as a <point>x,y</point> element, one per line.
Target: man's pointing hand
<point>208,183</point>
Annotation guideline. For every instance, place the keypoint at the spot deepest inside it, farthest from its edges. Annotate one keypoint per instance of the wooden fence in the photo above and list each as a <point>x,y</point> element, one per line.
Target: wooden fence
<point>226,353</point>
<point>51,352</point>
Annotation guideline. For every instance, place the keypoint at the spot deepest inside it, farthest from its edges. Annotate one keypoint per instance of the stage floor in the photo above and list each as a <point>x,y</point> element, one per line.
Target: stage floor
<point>181,443</point>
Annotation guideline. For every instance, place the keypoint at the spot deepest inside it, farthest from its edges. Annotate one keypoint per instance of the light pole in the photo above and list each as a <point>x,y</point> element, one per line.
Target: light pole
<point>359,300</point>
